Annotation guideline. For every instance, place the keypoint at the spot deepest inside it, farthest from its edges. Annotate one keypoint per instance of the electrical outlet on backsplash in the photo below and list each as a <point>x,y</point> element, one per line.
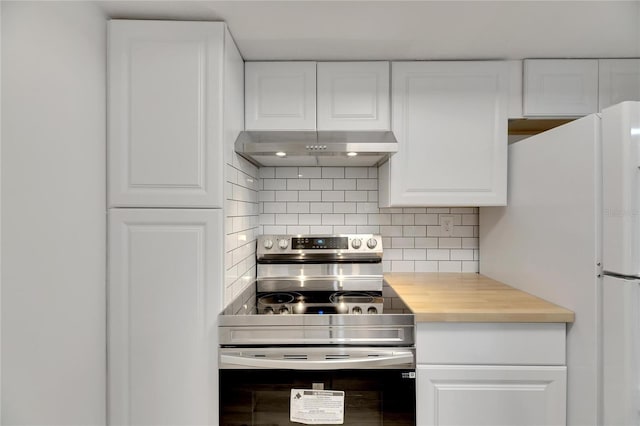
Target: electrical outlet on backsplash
<point>334,200</point>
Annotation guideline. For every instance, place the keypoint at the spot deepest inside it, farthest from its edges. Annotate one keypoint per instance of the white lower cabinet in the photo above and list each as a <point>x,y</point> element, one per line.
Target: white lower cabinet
<point>491,395</point>
<point>163,298</point>
<point>491,374</point>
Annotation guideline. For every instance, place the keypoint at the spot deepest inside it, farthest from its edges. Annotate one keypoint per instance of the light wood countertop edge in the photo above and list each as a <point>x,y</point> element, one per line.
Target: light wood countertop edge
<point>449,310</point>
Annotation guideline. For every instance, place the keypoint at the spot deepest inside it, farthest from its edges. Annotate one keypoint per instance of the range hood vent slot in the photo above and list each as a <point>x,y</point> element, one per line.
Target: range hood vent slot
<point>321,148</point>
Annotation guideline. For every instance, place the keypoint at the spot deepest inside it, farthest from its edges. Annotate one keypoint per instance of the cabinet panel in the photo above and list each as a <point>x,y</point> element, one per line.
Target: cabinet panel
<point>353,96</point>
<point>491,343</point>
<point>490,395</point>
<point>164,114</point>
<point>619,81</point>
<point>164,278</point>
<point>560,87</point>
<point>280,95</point>
<point>450,119</point>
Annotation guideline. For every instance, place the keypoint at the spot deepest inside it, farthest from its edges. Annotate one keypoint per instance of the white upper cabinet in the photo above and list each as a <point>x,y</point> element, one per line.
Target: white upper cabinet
<point>165,115</point>
<point>560,87</point>
<point>619,81</point>
<point>353,96</point>
<point>280,96</point>
<point>450,119</point>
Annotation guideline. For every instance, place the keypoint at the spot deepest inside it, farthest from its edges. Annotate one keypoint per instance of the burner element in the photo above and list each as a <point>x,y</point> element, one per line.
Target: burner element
<point>277,298</point>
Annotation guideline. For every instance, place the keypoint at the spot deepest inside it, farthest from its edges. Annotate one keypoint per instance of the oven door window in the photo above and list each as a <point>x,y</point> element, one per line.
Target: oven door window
<point>372,397</point>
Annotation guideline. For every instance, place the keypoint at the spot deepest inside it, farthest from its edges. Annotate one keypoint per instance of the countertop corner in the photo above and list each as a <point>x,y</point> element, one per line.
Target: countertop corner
<point>471,297</point>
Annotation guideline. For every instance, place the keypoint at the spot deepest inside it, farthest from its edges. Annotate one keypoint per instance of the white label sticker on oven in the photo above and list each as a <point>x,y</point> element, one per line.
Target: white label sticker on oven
<point>317,407</point>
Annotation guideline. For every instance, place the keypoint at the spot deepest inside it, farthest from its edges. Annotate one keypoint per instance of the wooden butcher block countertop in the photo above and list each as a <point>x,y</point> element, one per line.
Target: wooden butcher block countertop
<point>469,297</point>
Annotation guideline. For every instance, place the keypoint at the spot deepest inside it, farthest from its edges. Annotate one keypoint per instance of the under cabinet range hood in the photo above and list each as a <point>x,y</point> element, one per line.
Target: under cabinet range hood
<point>321,148</point>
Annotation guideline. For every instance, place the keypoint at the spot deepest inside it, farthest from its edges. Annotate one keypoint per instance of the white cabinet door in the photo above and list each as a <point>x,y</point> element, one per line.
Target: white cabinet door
<point>450,119</point>
<point>619,81</point>
<point>353,96</point>
<point>164,296</point>
<point>490,395</point>
<point>560,87</point>
<point>164,113</point>
<point>280,96</point>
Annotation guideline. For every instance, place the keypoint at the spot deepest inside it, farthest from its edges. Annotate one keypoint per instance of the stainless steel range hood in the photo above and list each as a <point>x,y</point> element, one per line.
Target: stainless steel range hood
<point>321,148</point>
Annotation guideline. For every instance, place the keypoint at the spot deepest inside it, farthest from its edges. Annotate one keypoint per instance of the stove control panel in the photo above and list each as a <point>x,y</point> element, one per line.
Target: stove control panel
<point>341,245</point>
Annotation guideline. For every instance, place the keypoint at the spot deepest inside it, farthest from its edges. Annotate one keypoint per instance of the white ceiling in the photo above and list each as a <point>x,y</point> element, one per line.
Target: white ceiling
<point>338,30</point>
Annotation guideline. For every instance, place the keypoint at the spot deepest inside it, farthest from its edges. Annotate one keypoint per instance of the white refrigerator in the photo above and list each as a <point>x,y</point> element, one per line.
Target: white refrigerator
<point>571,234</point>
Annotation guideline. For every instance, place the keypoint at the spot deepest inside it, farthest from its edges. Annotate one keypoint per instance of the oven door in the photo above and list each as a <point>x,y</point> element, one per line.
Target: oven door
<point>371,397</point>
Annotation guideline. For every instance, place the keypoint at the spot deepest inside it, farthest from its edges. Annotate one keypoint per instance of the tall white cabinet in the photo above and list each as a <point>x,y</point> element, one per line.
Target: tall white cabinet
<point>169,120</point>
<point>164,278</point>
<point>450,119</point>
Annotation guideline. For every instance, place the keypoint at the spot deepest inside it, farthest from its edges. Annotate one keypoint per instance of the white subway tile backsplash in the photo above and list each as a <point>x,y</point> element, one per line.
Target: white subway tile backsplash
<point>450,266</point>
<point>310,219</point>
<point>297,207</point>
<point>426,242</point>
<point>333,200</point>
<point>286,172</point>
<point>286,219</point>
<point>320,184</point>
<point>355,219</point>
<point>310,195</point>
<point>321,229</point>
<point>402,266</point>
<point>367,184</point>
<point>355,196</point>
<point>321,207</point>
<point>367,207</point>
<point>450,243</point>
<point>344,184</point>
<point>356,172</point>
<point>344,229</point>
<point>392,254</point>
<point>426,266</point>
<point>267,172</point>
<point>274,207</point>
<point>344,207</point>
<point>414,254</point>
<point>286,196</point>
<point>332,195</point>
<point>426,219</point>
<point>401,242</point>
<point>298,184</point>
<point>438,254</point>
<point>274,184</point>
<point>310,172</point>
<point>333,219</point>
<point>333,172</point>
<point>391,231</point>
<point>266,196</point>
<point>298,229</point>
<point>368,229</point>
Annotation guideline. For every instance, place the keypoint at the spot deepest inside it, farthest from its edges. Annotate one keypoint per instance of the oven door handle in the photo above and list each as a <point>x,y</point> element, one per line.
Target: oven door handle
<point>400,359</point>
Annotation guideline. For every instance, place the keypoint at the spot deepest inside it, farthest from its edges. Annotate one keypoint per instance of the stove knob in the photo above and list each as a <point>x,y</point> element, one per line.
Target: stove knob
<point>268,244</point>
<point>283,243</point>
<point>356,243</point>
<point>283,310</point>
<point>356,310</point>
<point>372,310</point>
<point>372,243</point>
<point>268,310</point>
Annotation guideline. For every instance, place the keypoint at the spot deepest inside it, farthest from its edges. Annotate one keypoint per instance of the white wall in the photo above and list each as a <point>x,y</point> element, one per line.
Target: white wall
<point>53,213</point>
